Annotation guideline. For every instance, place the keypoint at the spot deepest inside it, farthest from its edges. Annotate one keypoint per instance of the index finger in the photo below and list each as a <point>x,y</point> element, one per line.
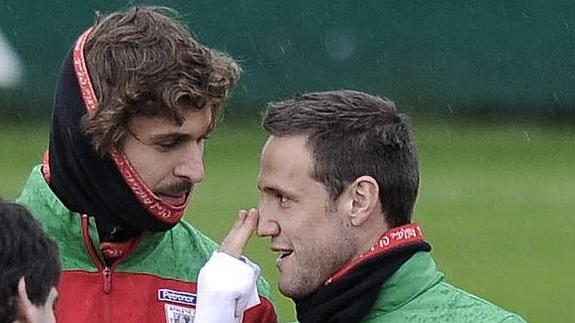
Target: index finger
<point>238,237</point>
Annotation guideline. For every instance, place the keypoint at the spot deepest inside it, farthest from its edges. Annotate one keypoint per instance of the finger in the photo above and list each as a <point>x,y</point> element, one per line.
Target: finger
<point>240,234</point>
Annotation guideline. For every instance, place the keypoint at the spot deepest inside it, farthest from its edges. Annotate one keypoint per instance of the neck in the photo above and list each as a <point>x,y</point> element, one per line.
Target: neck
<point>391,239</point>
<point>369,234</point>
<point>351,299</point>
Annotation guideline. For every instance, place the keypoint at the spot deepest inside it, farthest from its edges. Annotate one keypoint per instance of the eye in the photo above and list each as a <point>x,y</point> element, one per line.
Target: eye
<point>169,145</point>
<point>282,199</point>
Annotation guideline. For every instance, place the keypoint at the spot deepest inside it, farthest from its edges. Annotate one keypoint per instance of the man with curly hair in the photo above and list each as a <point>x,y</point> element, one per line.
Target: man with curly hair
<point>136,97</point>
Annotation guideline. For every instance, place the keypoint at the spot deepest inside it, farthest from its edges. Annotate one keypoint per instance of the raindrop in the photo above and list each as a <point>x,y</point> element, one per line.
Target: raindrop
<point>340,43</point>
<point>527,136</point>
<point>566,24</point>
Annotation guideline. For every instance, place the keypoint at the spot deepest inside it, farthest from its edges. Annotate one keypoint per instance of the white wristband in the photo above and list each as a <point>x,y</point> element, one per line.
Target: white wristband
<point>226,289</point>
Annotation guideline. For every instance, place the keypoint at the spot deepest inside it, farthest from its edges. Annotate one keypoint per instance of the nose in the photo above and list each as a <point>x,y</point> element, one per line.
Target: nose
<point>191,164</point>
<point>267,226</point>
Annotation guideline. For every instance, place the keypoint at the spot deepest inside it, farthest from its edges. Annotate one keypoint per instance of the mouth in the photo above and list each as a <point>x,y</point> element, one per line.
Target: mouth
<point>283,255</point>
<point>176,198</point>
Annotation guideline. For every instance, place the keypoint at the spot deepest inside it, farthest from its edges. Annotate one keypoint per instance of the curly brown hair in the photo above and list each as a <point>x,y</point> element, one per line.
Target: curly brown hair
<point>142,61</point>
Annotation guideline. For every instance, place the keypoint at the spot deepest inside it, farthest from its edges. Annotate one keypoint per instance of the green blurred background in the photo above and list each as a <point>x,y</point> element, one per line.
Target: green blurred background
<point>496,203</point>
<point>489,85</point>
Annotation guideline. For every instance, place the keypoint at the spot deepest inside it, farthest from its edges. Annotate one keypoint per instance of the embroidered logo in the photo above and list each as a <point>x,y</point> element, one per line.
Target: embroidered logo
<point>179,314</point>
<point>168,295</point>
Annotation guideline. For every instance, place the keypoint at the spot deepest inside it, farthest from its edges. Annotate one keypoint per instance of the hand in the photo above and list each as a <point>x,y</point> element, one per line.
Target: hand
<point>240,234</point>
<point>227,282</point>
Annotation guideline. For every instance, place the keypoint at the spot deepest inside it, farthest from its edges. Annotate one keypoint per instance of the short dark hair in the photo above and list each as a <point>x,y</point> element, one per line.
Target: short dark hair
<point>352,134</point>
<point>25,251</point>
<point>143,61</point>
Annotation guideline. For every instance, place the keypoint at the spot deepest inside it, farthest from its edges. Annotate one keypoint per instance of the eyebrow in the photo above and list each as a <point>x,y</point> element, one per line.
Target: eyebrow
<point>275,190</point>
<point>168,136</point>
<point>177,134</point>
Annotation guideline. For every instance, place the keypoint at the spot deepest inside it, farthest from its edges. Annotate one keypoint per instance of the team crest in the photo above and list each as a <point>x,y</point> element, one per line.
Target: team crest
<point>179,314</point>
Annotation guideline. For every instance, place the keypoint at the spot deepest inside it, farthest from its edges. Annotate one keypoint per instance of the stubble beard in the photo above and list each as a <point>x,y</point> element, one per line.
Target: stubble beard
<point>313,271</point>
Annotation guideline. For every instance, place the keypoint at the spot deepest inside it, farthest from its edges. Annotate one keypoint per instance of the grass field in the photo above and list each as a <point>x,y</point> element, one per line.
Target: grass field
<point>496,203</point>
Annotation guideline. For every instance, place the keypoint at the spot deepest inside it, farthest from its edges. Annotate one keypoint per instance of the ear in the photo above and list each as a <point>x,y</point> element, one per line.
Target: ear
<point>25,310</point>
<point>364,193</point>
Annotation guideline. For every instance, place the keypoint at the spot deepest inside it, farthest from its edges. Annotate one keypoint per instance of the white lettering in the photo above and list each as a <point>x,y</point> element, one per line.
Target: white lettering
<point>176,297</point>
<point>384,242</point>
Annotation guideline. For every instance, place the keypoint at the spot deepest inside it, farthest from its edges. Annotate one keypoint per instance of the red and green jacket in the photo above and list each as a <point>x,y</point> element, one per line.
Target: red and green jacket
<point>154,281</point>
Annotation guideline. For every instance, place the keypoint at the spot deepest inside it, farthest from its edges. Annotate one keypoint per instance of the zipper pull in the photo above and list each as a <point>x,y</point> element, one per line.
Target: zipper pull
<point>107,273</point>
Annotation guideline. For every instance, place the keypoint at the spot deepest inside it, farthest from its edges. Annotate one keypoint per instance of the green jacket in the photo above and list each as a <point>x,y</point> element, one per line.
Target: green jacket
<point>417,292</point>
<point>153,282</point>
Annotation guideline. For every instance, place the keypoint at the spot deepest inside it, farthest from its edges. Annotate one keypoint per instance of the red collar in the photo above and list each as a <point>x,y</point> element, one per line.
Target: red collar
<point>112,251</point>
<point>390,240</point>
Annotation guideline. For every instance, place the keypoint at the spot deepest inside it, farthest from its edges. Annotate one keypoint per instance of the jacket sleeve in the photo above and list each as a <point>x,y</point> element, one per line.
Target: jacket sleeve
<point>262,313</point>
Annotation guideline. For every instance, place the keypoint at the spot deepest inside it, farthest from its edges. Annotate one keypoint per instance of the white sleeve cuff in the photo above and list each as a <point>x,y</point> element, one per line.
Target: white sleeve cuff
<point>226,288</point>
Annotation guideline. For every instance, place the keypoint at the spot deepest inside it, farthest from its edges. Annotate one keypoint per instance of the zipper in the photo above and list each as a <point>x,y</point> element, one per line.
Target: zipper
<point>100,265</point>
<point>105,270</point>
<point>107,273</point>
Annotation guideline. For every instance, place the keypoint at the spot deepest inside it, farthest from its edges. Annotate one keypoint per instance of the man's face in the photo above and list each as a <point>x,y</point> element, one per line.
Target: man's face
<point>309,233</point>
<point>168,157</point>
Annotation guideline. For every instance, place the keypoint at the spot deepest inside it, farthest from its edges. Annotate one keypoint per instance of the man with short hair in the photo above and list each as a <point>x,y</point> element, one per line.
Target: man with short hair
<point>136,98</point>
<point>29,268</point>
<point>339,177</point>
